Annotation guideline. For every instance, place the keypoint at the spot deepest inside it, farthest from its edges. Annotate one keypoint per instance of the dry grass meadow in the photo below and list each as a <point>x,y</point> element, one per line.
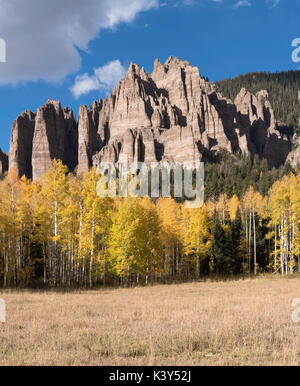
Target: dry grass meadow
<point>242,322</point>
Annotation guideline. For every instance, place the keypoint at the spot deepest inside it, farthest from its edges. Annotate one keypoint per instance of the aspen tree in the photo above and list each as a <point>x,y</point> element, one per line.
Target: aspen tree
<point>52,200</point>
<point>171,234</point>
<point>198,235</point>
<point>252,204</point>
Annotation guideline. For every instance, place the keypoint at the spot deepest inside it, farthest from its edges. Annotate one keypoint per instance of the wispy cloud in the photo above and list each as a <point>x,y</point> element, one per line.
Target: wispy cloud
<point>242,3</point>
<point>273,3</point>
<point>237,4</point>
<point>104,78</point>
<point>177,3</point>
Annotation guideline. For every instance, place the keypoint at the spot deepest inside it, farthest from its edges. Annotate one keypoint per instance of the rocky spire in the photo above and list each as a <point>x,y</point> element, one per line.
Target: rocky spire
<point>20,150</point>
<point>3,162</point>
<point>171,114</point>
<point>55,136</point>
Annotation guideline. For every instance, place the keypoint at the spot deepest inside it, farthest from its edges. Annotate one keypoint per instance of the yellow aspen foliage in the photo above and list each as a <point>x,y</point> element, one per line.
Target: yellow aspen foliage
<point>198,236</point>
<point>62,232</point>
<point>233,205</point>
<point>134,239</point>
<point>283,209</point>
<point>171,234</point>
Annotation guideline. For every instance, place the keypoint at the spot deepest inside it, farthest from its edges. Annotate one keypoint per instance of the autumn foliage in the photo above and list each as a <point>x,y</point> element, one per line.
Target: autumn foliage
<point>61,233</point>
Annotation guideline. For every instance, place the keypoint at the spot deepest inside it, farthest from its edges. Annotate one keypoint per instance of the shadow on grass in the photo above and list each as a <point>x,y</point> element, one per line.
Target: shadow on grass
<point>41,288</point>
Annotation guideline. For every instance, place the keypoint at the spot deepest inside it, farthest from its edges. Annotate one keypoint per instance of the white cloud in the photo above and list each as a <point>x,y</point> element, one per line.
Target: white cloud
<point>84,84</point>
<point>105,78</point>
<point>110,74</point>
<point>177,3</point>
<point>43,37</point>
<point>242,3</point>
<point>273,3</point>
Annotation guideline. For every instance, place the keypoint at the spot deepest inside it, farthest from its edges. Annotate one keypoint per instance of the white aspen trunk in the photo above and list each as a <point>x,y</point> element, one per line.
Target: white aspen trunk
<point>79,241</point>
<point>18,259</point>
<point>293,241</point>
<point>147,272</point>
<point>104,269</point>
<point>285,246</point>
<point>70,275</point>
<point>83,278</point>
<point>246,225</point>
<point>174,260</point>
<point>249,231</point>
<point>55,244</point>
<point>72,262</point>
<point>198,264</point>
<point>281,244</point>
<point>166,259</point>
<point>177,259</point>
<point>275,254</point>
<point>44,260</point>
<point>291,246</point>
<point>14,259</point>
<point>63,268</point>
<point>246,232</point>
<point>254,241</point>
<point>50,263</point>
<point>5,262</point>
<point>92,251</point>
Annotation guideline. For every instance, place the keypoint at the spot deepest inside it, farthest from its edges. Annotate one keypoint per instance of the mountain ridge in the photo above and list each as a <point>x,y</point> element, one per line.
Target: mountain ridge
<point>172,114</point>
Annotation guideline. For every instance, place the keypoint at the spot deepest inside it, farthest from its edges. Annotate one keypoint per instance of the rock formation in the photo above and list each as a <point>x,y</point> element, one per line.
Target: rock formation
<point>172,114</point>
<point>3,162</point>
<point>38,138</point>
<point>294,156</point>
<point>20,149</point>
<point>55,136</point>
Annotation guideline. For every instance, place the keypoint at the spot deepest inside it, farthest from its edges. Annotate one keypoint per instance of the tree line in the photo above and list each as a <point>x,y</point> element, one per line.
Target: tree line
<point>60,233</point>
<point>235,173</point>
<point>283,89</point>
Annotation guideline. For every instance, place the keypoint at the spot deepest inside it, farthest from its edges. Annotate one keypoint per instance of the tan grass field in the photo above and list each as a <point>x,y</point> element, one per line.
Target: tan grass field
<point>243,322</point>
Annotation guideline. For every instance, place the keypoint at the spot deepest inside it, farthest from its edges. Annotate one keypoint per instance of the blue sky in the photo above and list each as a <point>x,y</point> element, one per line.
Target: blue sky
<point>51,48</point>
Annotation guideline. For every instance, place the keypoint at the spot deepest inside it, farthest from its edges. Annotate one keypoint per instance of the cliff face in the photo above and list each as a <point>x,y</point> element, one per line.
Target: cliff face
<point>172,114</point>
<point>55,136</point>
<point>294,156</point>
<point>175,115</point>
<point>20,149</point>
<point>3,162</point>
<point>38,138</point>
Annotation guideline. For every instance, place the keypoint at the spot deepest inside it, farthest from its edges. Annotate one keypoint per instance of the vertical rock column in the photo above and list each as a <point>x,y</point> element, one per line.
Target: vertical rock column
<point>20,150</point>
